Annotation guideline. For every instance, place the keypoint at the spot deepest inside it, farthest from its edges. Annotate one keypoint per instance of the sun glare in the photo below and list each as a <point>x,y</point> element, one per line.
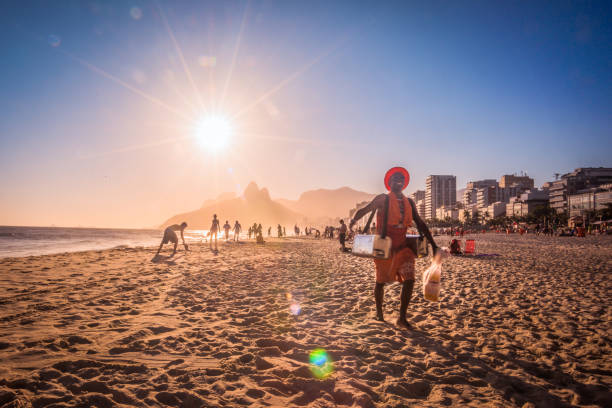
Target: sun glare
<point>213,132</point>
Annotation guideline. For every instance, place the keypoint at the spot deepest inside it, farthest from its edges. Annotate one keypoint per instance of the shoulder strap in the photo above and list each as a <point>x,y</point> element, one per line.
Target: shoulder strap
<point>366,230</point>
<point>385,218</point>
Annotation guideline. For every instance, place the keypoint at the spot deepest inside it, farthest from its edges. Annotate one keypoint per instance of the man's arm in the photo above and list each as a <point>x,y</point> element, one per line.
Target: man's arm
<point>183,238</point>
<point>422,227</point>
<point>376,203</point>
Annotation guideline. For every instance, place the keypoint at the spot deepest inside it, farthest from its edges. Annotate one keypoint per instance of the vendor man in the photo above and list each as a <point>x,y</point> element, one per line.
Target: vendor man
<point>401,214</point>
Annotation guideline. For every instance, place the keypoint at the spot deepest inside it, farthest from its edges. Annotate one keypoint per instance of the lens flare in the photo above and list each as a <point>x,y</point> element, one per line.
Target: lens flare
<point>207,61</point>
<point>136,13</point>
<point>295,308</point>
<point>54,40</point>
<point>321,364</point>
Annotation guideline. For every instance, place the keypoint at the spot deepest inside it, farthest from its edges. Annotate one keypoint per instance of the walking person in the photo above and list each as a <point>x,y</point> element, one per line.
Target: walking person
<point>214,230</point>
<point>400,214</point>
<point>237,229</point>
<point>342,235</point>
<point>226,228</point>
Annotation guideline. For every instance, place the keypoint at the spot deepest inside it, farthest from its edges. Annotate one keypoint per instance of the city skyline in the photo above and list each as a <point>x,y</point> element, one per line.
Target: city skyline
<point>107,107</point>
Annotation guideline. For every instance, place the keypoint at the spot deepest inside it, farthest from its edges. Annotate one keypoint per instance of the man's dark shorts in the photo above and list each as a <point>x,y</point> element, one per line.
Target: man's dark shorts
<point>342,238</point>
<point>169,236</point>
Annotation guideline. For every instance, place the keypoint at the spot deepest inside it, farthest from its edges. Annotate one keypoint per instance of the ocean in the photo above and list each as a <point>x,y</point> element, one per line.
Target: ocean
<point>26,241</point>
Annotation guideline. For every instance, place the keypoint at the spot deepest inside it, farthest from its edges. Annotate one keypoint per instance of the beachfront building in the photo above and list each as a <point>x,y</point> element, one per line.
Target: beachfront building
<point>508,180</point>
<point>471,190</point>
<point>580,179</point>
<point>481,184</point>
<point>587,200</point>
<point>526,203</point>
<point>470,210</point>
<point>420,206</point>
<point>487,196</point>
<point>445,212</point>
<point>469,196</point>
<point>418,196</point>
<point>494,210</point>
<point>440,190</point>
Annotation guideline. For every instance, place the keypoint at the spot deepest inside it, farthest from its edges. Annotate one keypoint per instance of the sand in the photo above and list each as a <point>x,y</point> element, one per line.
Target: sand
<point>531,327</point>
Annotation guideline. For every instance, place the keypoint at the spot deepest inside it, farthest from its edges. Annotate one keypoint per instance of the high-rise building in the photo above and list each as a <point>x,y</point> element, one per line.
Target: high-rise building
<point>470,195</point>
<point>488,195</point>
<point>420,205</point>
<point>523,181</point>
<point>580,179</point>
<point>418,195</point>
<point>481,184</point>
<point>440,190</point>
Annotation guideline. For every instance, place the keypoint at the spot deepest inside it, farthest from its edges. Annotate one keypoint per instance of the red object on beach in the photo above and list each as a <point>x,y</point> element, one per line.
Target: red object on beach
<point>470,246</point>
<point>394,170</point>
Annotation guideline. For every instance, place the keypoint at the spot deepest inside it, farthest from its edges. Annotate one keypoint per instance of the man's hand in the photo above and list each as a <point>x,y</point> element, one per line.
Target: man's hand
<point>186,247</point>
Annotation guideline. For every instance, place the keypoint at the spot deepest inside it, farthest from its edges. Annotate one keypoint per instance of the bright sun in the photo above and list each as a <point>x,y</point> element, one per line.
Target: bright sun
<point>213,132</point>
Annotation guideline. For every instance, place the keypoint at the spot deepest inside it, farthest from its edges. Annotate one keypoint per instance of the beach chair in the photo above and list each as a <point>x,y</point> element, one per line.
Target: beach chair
<point>470,246</point>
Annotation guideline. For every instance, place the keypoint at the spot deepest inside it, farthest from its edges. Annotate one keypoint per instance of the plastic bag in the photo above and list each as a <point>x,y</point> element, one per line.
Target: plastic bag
<point>432,277</point>
<point>431,282</point>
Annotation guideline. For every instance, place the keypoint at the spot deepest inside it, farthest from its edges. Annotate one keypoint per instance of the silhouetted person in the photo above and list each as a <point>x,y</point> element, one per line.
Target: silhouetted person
<point>250,232</point>
<point>170,236</point>
<point>237,229</point>
<point>401,212</point>
<point>279,231</point>
<point>214,230</point>
<point>226,228</point>
<point>270,231</point>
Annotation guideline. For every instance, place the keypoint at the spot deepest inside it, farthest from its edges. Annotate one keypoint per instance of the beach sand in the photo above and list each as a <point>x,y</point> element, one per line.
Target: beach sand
<point>531,327</point>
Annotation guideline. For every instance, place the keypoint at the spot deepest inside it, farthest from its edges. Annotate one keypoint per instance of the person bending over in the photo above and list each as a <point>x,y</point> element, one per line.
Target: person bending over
<point>400,266</point>
<point>170,236</point>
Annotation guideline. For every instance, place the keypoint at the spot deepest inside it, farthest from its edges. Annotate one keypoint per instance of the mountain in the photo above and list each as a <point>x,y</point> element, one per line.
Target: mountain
<point>220,197</point>
<point>324,205</point>
<point>254,206</point>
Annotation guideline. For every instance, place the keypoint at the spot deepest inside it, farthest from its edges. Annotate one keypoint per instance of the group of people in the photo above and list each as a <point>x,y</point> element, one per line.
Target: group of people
<point>394,209</point>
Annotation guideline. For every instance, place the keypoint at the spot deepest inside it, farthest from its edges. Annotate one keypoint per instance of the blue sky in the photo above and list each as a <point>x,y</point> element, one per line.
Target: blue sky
<point>98,100</point>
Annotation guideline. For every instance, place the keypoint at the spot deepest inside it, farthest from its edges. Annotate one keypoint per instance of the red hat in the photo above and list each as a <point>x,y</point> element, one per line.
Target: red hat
<point>394,170</point>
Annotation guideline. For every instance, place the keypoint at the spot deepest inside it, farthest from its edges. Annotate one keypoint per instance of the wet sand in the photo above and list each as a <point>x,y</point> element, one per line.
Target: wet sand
<point>531,327</point>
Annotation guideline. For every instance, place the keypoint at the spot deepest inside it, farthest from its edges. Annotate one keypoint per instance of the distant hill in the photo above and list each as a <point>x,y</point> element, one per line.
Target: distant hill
<point>313,207</point>
<point>254,206</point>
<point>220,197</point>
<point>323,204</point>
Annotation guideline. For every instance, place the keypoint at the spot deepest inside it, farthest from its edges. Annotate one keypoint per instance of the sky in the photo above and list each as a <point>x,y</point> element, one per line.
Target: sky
<point>106,105</point>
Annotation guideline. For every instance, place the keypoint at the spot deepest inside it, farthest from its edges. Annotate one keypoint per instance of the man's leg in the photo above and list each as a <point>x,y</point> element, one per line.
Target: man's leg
<point>407,288</point>
<point>175,245</point>
<point>379,293</point>
<point>160,247</point>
